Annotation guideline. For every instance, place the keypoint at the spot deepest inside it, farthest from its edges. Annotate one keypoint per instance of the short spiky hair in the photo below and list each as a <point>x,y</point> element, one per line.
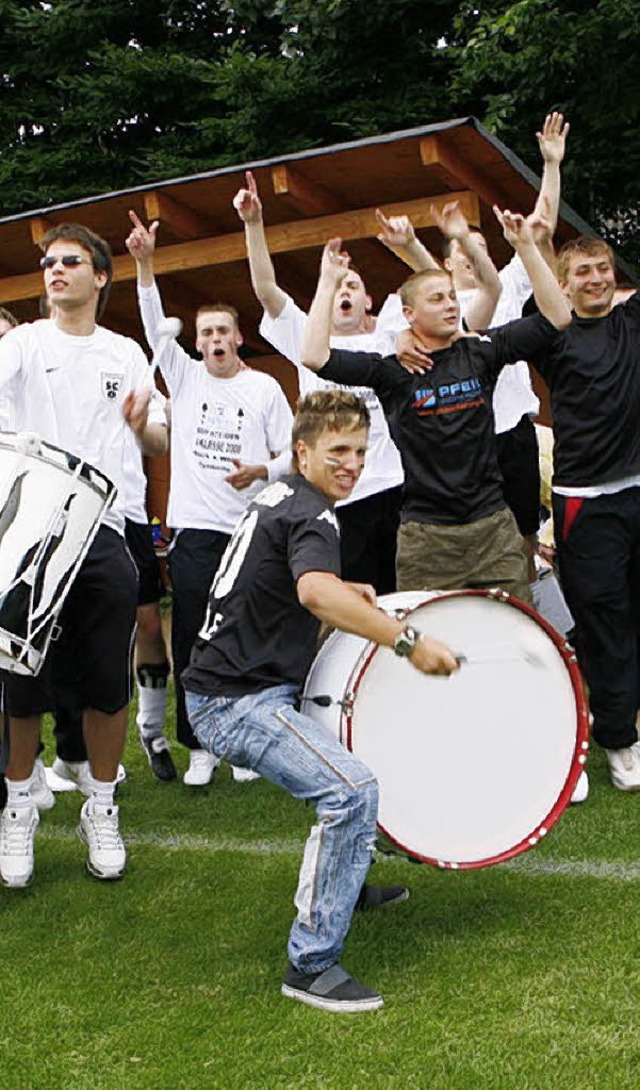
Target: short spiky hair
<point>407,291</point>
<point>100,251</point>
<point>225,308</point>
<point>327,410</point>
<point>582,246</point>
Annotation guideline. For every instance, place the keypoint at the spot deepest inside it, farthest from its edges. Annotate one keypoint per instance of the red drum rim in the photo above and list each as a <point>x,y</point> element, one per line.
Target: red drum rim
<point>582,728</point>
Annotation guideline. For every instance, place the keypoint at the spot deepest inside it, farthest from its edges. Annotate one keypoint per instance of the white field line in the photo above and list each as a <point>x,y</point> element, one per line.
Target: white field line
<point>210,845</point>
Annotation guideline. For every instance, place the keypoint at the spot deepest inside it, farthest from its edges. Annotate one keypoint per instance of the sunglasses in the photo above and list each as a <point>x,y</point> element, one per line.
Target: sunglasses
<point>70,261</point>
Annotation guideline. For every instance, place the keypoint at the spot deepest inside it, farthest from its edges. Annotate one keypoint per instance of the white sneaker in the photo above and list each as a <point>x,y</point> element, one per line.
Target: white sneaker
<point>17,830</point>
<point>581,790</point>
<point>624,766</point>
<point>41,793</point>
<point>244,775</point>
<point>99,829</point>
<point>202,765</point>
<point>75,775</point>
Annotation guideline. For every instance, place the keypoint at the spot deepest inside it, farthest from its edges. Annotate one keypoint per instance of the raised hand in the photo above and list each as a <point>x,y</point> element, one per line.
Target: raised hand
<point>395,230</point>
<point>451,220</point>
<point>541,221</point>
<point>515,227</point>
<point>247,203</point>
<point>553,138</point>
<point>335,262</point>
<point>141,241</point>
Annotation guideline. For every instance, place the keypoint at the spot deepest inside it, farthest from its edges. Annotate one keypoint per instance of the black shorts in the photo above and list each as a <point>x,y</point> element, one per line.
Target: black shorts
<point>89,665</point>
<point>518,460</point>
<point>139,538</point>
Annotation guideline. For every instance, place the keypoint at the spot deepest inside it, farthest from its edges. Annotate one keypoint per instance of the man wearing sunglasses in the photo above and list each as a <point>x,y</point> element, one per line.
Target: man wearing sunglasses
<point>78,386</point>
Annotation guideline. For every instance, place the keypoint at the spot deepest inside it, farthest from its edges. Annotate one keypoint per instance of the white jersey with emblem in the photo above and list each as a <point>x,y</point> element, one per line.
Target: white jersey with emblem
<point>214,421</point>
<point>383,468</point>
<point>69,390</point>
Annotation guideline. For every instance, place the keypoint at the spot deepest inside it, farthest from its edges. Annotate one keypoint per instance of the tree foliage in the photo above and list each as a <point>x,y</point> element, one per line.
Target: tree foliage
<point>104,96</point>
<point>580,56</point>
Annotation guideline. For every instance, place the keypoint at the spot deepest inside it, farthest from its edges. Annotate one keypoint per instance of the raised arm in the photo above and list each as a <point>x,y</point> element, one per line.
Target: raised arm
<point>549,298</point>
<point>141,244</point>
<point>314,350</point>
<point>398,235</point>
<point>248,205</point>
<point>453,224</point>
<point>552,141</point>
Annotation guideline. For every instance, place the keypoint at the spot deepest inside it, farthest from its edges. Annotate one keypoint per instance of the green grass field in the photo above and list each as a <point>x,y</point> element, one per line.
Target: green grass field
<point>523,976</point>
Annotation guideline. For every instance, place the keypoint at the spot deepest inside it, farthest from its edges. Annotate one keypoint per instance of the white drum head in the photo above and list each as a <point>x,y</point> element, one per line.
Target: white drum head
<point>475,768</point>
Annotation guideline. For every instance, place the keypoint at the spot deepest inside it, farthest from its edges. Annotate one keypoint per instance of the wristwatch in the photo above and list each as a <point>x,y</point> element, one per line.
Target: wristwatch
<point>405,641</point>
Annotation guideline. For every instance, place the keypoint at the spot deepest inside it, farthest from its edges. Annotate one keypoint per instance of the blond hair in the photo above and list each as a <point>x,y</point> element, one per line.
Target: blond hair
<point>327,410</point>
<point>582,246</point>
<point>410,288</point>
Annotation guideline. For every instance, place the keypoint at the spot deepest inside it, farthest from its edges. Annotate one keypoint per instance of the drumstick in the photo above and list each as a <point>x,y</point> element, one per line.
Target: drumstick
<point>498,654</point>
<point>167,330</point>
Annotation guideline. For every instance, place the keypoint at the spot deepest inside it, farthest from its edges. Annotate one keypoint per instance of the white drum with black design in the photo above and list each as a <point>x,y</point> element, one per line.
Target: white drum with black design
<point>51,505</point>
<point>475,768</point>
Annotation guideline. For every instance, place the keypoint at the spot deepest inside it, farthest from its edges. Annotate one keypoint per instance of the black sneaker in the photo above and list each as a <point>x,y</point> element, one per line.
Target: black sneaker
<point>159,757</point>
<point>376,896</point>
<point>331,990</point>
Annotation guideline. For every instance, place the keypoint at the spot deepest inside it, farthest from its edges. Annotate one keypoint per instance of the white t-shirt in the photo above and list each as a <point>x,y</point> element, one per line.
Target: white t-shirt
<point>69,390</point>
<point>214,420</point>
<point>383,468</point>
<point>513,396</point>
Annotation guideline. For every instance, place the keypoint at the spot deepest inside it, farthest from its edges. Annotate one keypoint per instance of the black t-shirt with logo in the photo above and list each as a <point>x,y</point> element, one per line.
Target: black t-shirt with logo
<point>592,369</point>
<point>442,422</point>
<point>256,634</point>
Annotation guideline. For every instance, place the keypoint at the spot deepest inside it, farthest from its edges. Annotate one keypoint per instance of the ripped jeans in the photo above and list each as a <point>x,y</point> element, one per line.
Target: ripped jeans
<point>263,731</point>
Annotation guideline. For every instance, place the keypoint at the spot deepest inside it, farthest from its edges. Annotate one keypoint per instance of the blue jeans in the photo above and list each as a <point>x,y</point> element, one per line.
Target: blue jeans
<point>263,731</point>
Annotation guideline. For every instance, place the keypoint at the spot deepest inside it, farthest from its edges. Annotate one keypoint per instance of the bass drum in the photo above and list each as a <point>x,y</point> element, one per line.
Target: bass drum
<point>473,769</point>
<point>51,505</point>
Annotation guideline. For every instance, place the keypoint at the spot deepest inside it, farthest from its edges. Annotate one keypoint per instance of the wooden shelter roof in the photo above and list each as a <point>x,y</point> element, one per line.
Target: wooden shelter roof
<point>307,198</point>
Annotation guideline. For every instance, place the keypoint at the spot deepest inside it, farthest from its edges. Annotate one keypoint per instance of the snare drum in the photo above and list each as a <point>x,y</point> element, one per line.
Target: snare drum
<point>473,769</point>
<point>51,505</point>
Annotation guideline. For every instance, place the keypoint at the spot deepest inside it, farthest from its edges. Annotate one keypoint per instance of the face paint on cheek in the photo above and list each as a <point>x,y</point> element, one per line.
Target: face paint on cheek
<point>329,461</point>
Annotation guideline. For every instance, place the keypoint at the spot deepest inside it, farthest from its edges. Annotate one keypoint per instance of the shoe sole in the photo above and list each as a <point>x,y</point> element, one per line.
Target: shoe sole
<point>92,870</point>
<point>335,1006</point>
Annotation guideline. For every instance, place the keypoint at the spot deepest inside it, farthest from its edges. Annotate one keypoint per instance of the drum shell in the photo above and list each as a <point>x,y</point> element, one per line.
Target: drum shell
<point>519,722</point>
<point>51,505</point>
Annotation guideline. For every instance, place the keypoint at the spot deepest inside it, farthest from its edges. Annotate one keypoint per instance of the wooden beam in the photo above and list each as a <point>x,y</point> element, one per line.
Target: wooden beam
<point>451,168</point>
<point>305,196</point>
<point>282,238</point>
<point>38,226</point>
<point>176,216</point>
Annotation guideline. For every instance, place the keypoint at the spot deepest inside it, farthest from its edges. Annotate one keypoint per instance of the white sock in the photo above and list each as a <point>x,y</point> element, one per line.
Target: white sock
<point>102,791</point>
<point>152,699</point>
<point>18,793</point>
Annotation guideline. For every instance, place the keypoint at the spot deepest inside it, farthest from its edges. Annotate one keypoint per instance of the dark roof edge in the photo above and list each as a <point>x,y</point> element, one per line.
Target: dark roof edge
<point>528,175</point>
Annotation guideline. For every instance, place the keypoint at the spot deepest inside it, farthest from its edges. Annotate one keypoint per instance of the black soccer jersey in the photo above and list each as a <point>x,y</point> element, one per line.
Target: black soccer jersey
<point>593,372</point>
<point>442,422</point>
<point>256,634</point>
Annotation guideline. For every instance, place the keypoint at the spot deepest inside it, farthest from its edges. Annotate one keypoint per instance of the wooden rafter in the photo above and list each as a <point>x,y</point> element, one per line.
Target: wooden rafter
<point>182,221</point>
<point>281,238</point>
<point>449,167</point>
<point>310,198</point>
